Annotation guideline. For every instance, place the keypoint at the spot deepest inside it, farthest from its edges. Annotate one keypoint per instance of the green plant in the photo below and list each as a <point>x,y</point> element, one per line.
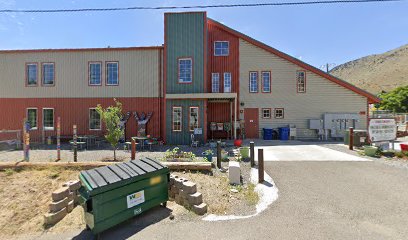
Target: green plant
<point>251,196</point>
<point>379,152</point>
<point>395,100</point>
<point>9,171</point>
<point>111,116</point>
<point>399,154</point>
<point>208,152</point>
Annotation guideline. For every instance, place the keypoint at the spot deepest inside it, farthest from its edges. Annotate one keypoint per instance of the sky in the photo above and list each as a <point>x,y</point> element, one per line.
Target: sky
<point>316,34</point>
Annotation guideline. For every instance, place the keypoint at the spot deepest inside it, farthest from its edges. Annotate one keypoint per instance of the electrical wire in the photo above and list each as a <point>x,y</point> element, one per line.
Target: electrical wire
<point>189,7</point>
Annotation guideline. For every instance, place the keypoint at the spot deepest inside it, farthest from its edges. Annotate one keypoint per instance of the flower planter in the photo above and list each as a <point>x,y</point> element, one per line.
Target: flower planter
<point>208,157</point>
<point>370,151</point>
<point>237,142</point>
<point>244,152</point>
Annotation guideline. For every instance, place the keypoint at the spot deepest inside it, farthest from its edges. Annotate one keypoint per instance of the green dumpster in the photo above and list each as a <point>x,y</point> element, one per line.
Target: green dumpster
<point>115,193</point>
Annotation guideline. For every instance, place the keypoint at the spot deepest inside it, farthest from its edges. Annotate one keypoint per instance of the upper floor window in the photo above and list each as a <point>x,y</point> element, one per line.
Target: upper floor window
<point>176,119</point>
<point>31,74</point>
<point>95,73</point>
<point>227,82</point>
<point>193,118</point>
<point>32,117</point>
<point>48,118</point>
<point>215,80</point>
<point>221,48</point>
<point>112,73</point>
<point>94,119</point>
<point>253,82</point>
<point>301,81</point>
<point>48,74</point>
<point>185,70</point>
<point>266,82</point>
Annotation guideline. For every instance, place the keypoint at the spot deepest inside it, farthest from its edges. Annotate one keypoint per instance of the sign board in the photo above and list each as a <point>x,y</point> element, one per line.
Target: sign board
<point>382,130</point>
<point>135,199</point>
<point>198,131</point>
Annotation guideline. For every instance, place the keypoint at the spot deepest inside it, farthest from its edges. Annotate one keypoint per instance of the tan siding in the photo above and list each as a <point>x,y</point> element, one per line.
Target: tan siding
<point>138,74</point>
<point>321,94</point>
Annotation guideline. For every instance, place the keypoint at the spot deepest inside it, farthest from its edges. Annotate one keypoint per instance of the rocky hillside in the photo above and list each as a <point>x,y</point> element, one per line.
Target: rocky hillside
<point>377,72</point>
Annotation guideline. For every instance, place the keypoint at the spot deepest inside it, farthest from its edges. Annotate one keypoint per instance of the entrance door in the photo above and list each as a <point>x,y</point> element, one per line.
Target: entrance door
<point>251,117</point>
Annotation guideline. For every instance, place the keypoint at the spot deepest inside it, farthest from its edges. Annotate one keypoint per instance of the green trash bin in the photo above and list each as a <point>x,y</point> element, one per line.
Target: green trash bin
<point>115,193</point>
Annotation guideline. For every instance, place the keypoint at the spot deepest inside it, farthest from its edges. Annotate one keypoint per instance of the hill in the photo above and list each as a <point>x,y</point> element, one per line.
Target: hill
<point>376,72</point>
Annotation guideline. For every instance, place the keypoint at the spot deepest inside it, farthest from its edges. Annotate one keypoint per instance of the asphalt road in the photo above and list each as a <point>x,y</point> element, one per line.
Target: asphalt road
<point>317,200</point>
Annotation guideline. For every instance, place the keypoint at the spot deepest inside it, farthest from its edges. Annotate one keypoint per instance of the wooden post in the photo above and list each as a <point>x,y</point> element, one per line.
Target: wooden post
<point>26,140</point>
<point>351,138</point>
<point>218,154</point>
<point>75,144</point>
<point>260,165</point>
<point>59,138</point>
<point>133,154</point>
<point>252,153</point>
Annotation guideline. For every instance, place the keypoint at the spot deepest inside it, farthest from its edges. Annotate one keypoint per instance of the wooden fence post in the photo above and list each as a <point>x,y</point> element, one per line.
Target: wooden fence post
<point>58,138</point>
<point>260,165</point>
<point>133,154</point>
<point>75,143</point>
<point>219,154</point>
<point>252,153</point>
<point>351,138</point>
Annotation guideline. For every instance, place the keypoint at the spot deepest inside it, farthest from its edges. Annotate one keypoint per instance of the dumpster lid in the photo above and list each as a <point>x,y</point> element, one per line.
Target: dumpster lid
<point>107,177</point>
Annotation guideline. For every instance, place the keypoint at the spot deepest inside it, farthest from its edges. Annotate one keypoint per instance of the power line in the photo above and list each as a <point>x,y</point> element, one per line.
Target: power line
<point>189,7</point>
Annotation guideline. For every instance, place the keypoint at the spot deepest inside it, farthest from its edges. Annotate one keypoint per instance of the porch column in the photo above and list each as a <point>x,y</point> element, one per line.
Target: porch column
<point>235,114</point>
<point>231,130</point>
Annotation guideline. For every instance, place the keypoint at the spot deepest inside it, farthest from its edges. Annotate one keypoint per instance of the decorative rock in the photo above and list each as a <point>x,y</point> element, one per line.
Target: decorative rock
<point>73,185</point>
<point>57,206</point>
<point>70,206</point>
<point>171,216</point>
<point>189,187</point>
<point>200,209</point>
<point>234,190</point>
<point>234,172</point>
<point>60,194</point>
<point>53,218</point>
<point>195,198</point>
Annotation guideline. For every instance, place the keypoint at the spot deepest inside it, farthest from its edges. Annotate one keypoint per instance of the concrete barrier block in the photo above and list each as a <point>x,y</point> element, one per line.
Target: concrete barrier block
<point>60,194</point>
<point>200,209</point>
<point>57,206</point>
<point>53,218</point>
<point>73,185</point>
<point>189,187</point>
<point>178,182</point>
<point>195,198</point>
<point>234,172</point>
<point>70,206</point>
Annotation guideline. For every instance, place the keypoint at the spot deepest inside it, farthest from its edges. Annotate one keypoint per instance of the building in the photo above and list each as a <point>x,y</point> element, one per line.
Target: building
<point>204,72</point>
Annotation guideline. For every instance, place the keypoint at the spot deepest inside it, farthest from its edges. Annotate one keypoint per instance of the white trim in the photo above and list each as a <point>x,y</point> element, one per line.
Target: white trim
<point>43,64</point>
<point>221,55</point>
<point>90,74</point>
<point>263,81</point>
<point>179,68</point>
<point>263,113</point>
<point>250,81</point>
<point>36,116</point>
<point>189,118</point>
<point>212,82</point>
<point>28,76</point>
<point>181,118</point>
<point>89,121</point>
<point>107,73</point>
<point>53,119</point>
<point>230,82</point>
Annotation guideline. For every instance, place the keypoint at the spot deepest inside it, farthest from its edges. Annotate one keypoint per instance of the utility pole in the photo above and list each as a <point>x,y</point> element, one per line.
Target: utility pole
<point>327,66</point>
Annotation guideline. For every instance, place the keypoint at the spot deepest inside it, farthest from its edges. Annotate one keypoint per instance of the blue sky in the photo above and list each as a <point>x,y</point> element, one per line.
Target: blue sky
<point>315,34</point>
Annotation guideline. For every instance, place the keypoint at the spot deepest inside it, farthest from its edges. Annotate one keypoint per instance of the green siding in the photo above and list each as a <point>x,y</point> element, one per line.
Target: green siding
<point>184,37</point>
<point>183,137</point>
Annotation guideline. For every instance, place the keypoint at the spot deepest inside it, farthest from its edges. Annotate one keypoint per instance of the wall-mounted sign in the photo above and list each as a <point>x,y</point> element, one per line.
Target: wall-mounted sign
<point>382,130</point>
<point>198,131</point>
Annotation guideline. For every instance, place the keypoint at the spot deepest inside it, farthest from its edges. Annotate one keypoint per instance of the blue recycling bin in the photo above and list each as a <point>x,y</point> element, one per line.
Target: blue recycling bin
<point>267,133</point>
<point>284,133</point>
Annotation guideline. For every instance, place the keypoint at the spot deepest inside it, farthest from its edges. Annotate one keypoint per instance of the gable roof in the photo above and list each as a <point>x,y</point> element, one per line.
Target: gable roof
<point>370,97</point>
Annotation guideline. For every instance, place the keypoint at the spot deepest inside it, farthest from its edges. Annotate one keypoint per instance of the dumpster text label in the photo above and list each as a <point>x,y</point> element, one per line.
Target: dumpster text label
<point>135,199</point>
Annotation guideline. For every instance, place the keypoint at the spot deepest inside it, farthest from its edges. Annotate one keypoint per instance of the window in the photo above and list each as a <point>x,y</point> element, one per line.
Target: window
<point>95,73</point>
<point>94,119</point>
<point>253,82</point>
<point>112,73</point>
<point>279,113</point>
<point>48,74</point>
<point>215,80</point>
<point>266,113</point>
<point>185,67</point>
<point>266,82</point>
<point>301,81</point>
<point>193,118</point>
<point>221,48</point>
<point>32,117</point>
<point>176,121</point>
<point>227,82</point>
<point>48,118</point>
<point>31,74</point>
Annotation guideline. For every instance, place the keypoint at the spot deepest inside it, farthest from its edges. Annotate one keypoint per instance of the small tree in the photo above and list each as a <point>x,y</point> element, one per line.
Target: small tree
<point>395,100</point>
<point>111,116</point>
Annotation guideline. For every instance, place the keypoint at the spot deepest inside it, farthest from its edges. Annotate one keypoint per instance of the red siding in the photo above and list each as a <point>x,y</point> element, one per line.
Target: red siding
<point>218,112</point>
<point>76,111</point>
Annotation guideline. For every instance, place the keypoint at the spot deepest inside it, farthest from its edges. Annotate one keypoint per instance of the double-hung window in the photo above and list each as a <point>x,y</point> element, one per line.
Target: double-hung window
<point>221,48</point>
<point>32,117</point>
<point>279,113</point>
<point>95,73</point>
<point>253,82</point>
<point>176,119</point>
<point>48,118</point>
<point>31,74</point>
<point>266,82</point>
<point>227,82</point>
<point>215,82</point>
<point>94,119</point>
<point>112,73</point>
<point>185,70</point>
<point>193,118</point>
<point>301,81</point>
<point>48,74</point>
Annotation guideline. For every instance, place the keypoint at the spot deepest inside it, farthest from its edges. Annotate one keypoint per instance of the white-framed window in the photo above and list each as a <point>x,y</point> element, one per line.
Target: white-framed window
<point>95,73</point>
<point>266,82</point>
<point>193,118</point>
<point>221,48</point>
<point>32,118</point>
<point>185,70</point>
<point>31,74</point>
<point>279,113</point>
<point>215,82</point>
<point>94,120</point>
<point>301,81</point>
<point>112,73</point>
<point>48,118</point>
<point>48,74</point>
<point>266,113</point>
<point>253,82</point>
<point>176,119</point>
<point>227,82</point>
